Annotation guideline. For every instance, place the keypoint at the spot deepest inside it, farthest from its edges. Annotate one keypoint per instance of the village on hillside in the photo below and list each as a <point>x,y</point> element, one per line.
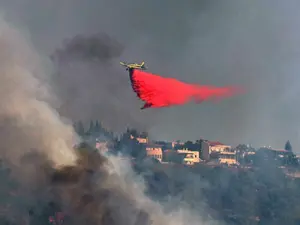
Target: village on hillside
<point>205,152</point>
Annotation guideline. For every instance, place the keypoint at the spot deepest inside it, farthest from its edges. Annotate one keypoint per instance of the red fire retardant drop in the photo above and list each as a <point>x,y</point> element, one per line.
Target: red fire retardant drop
<point>157,91</point>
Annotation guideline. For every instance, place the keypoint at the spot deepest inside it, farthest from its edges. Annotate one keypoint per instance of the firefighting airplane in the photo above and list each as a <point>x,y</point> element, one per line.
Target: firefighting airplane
<point>134,65</point>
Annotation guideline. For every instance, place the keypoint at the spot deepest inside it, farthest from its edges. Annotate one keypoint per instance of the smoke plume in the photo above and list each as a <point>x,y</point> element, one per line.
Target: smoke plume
<point>100,191</point>
<point>99,47</point>
<point>28,122</point>
<point>90,86</point>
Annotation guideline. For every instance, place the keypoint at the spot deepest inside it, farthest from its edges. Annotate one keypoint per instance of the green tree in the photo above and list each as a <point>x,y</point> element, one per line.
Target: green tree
<point>193,146</point>
<point>129,146</point>
<point>240,150</point>
<point>288,146</point>
<point>91,128</point>
<point>199,142</point>
<point>132,132</point>
<point>188,145</point>
<point>79,128</point>
<point>97,127</point>
<point>292,160</point>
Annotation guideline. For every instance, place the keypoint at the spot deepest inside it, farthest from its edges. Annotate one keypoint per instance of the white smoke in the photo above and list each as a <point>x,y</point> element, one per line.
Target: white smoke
<point>28,123</point>
<point>134,188</point>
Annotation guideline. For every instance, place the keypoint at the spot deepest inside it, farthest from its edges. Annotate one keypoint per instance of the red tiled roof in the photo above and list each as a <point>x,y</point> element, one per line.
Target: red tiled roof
<point>212,143</point>
<point>278,150</point>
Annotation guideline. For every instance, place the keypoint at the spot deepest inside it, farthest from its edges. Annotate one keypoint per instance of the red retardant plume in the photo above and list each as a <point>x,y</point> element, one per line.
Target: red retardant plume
<point>157,91</point>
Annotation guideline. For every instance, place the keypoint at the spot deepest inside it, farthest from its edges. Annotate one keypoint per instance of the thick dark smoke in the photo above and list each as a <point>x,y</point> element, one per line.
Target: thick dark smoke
<point>99,191</point>
<point>99,47</point>
<point>90,86</point>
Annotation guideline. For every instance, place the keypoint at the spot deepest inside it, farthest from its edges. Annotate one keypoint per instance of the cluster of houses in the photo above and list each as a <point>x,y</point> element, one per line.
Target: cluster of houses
<point>204,151</point>
<point>207,151</point>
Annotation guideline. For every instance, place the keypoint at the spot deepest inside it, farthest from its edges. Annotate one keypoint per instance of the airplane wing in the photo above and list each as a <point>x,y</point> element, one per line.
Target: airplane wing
<point>134,65</point>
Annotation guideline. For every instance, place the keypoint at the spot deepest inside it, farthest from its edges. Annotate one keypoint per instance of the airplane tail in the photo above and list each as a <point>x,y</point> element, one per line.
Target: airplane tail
<point>146,105</point>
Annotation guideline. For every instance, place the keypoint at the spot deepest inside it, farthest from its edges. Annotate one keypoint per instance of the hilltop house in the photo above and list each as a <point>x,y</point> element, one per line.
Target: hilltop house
<point>183,156</point>
<point>142,139</point>
<point>224,154</point>
<point>190,157</point>
<point>155,151</point>
<point>270,153</point>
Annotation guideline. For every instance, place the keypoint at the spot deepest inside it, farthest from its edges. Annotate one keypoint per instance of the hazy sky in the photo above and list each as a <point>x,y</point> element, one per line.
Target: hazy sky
<point>253,43</point>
